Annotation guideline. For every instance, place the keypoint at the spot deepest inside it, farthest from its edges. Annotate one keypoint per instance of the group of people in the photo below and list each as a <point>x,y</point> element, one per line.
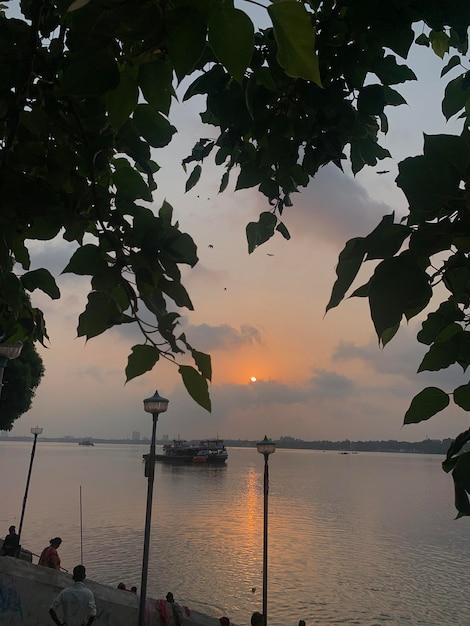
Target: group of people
<point>77,602</point>
<point>124,588</point>
<point>258,620</point>
<point>11,543</point>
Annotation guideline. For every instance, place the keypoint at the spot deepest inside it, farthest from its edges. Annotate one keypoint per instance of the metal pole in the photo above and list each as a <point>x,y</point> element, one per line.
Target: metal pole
<point>27,488</point>
<point>81,528</point>
<point>3,362</point>
<point>150,472</point>
<point>265,541</point>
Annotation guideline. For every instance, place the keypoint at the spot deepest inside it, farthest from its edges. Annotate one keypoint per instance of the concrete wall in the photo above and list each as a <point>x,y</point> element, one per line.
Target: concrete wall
<point>26,592</point>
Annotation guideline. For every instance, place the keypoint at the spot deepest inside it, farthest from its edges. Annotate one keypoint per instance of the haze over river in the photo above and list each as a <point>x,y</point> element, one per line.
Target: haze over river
<point>364,538</point>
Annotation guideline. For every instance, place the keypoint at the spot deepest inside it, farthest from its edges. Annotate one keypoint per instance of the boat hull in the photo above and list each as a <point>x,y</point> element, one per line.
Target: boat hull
<point>206,452</point>
<point>190,460</point>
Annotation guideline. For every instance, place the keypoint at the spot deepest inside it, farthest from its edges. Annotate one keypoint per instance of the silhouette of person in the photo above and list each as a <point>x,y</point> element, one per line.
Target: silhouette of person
<point>49,556</point>
<point>122,586</point>
<point>77,602</point>
<point>133,589</point>
<point>11,543</point>
<point>257,619</point>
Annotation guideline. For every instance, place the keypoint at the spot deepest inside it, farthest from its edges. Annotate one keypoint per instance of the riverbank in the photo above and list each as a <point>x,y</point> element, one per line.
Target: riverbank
<point>26,592</point>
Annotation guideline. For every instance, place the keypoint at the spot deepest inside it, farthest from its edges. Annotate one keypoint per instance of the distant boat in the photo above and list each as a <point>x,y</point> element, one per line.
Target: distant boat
<point>206,452</point>
<point>86,442</point>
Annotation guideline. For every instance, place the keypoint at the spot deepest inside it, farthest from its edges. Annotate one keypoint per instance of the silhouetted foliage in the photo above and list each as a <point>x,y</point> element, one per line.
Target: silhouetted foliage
<point>20,381</point>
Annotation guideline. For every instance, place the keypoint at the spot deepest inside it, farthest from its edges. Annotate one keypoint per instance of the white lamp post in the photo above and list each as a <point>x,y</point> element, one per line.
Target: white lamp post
<point>8,351</point>
<point>34,431</point>
<point>265,447</point>
<point>154,405</point>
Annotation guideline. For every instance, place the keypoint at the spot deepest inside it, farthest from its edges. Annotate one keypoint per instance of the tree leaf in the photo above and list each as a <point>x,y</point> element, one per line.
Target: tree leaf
<point>193,178</point>
<point>281,228</point>
<point>454,449</point>
<point>371,100</point>
<point>122,101</point>
<point>231,36</point>
<point>447,313</point>
<point>152,126</point>
<point>130,184</point>
<point>387,239</point>
<point>461,473</point>
<point>455,97</point>
<point>390,73</point>
<point>399,286</point>
<point>439,356</point>
<point>203,363</point>
<point>259,232</point>
<point>196,385</point>
<point>453,62</point>
<point>77,4</point>
<point>426,404</point>
<point>155,80</point>
<point>462,396</point>
<point>439,42</point>
<point>101,313</point>
<point>90,77</point>
<point>422,40</point>
<point>41,279</point>
<point>349,263</point>
<point>86,260</point>
<point>186,33</point>
<point>141,360</point>
<point>295,37</point>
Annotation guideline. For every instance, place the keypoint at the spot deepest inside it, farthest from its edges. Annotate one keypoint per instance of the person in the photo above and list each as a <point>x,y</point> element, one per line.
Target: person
<point>257,619</point>
<point>301,622</point>
<point>49,556</point>
<point>134,590</point>
<point>77,602</point>
<point>122,586</point>
<point>11,543</point>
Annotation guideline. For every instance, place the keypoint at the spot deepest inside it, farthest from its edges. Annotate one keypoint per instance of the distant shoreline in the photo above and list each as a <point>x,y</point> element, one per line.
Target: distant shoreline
<point>427,446</point>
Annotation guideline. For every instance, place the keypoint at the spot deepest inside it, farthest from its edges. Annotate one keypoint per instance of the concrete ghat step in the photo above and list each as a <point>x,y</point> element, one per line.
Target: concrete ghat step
<point>26,592</point>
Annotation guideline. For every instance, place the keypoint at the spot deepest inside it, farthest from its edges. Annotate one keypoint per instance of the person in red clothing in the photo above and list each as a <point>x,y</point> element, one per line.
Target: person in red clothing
<point>49,556</point>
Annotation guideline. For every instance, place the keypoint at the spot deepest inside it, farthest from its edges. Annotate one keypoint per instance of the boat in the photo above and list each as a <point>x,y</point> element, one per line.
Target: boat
<point>86,442</point>
<point>206,452</point>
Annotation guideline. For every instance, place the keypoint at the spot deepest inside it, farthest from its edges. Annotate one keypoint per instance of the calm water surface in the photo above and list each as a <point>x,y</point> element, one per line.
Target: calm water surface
<point>365,538</point>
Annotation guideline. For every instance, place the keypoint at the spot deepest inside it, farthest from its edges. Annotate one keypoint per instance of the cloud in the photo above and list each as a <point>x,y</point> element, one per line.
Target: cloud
<point>222,337</point>
<point>331,385</point>
<point>400,358</point>
<point>334,207</point>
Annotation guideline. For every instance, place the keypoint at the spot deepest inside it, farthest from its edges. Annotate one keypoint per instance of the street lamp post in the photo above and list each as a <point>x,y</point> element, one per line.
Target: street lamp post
<point>34,431</point>
<point>265,447</point>
<point>8,351</point>
<point>154,405</point>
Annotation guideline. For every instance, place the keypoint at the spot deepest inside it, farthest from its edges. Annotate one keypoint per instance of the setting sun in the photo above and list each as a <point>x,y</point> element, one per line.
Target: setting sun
<point>253,379</point>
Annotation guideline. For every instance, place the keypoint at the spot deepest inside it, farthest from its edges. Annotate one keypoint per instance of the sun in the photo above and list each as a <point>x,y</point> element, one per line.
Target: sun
<point>253,379</point>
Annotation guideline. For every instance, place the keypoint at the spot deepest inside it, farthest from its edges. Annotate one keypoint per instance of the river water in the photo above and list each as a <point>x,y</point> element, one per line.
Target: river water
<point>364,538</point>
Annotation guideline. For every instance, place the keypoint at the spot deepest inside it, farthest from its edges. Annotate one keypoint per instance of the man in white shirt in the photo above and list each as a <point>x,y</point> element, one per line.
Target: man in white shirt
<point>77,602</point>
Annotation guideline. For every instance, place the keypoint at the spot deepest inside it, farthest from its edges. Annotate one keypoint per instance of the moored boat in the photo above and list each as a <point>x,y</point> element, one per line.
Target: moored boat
<point>86,442</point>
<point>206,452</point>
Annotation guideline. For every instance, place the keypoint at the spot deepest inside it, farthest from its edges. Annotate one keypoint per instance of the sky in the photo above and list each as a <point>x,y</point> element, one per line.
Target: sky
<point>259,316</point>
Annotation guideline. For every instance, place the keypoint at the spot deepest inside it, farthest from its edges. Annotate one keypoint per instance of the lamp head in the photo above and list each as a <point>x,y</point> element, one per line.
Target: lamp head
<point>266,446</point>
<point>155,404</point>
<point>10,351</point>
<point>36,430</point>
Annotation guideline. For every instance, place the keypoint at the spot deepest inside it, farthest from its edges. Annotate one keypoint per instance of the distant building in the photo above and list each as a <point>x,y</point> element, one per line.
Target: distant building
<point>135,435</point>
<point>165,438</point>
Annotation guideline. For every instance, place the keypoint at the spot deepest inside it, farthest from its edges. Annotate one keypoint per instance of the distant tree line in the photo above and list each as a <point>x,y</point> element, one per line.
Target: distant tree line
<point>428,446</point>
